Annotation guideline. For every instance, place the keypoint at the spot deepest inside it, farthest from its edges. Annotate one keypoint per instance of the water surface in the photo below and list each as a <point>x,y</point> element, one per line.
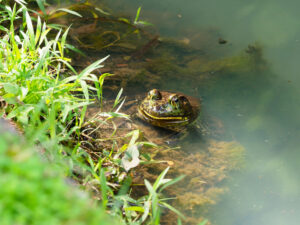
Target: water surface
<point>261,110</point>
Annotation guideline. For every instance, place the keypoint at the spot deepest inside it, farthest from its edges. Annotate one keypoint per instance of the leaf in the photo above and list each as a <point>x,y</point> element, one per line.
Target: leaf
<point>42,58</point>
<point>68,11</point>
<point>44,34</point>
<point>171,182</point>
<point>135,208</point>
<point>117,100</point>
<point>30,30</point>
<point>63,41</point>
<point>149,187</point>
<point>21,2</point>
<point>203,222</point>
<point>160,180</point>
<point>13,113</point>
<point>147,144</point>
<point>85,91</point>
<point>120,106</point>
<point>131,158</point>
<point>23,117</point>
<point>173,209</point>
<point>74,49</point>
<point>11,88</point>
<point>143,23</point>
<point>124,20</point>
<point>102,11</point>
<point>92,67</point>
<point>114,115</point>
<point>104,188</point>
<point>135,135</point>
<point>137,14</point>
<point>38,30</point>
<point>147,206</point>
<point>41,6</point>
<point>179,221</point>
<point>146,156</point>
<point>68,108</point>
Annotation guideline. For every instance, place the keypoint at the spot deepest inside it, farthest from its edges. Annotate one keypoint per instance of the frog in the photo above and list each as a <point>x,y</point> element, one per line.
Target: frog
<point>169,110</point>
<point>161,116</point>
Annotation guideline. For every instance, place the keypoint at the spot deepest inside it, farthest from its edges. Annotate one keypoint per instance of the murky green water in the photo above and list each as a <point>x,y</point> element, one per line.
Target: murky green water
<point>260,109</point>
<point>266,190</point>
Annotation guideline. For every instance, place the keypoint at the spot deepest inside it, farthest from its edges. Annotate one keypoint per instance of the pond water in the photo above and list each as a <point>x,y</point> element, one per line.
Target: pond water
<point>266,190</point>
<point>260,109</point>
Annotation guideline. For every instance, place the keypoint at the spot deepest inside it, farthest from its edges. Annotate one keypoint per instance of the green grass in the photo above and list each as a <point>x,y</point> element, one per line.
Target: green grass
<point>48,99</point>
<point>33,191</point>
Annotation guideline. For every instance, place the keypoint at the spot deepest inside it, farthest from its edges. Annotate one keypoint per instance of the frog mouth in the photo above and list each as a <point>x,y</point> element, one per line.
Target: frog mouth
<point>176,120</point>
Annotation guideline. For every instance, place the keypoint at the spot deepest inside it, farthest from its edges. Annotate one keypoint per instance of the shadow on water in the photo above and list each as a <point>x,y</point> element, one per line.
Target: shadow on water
<point>245,97</point>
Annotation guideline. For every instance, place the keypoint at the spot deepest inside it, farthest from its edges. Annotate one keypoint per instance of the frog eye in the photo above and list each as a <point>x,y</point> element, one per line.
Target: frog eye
<point>174,100</point>
<point>154,94</point>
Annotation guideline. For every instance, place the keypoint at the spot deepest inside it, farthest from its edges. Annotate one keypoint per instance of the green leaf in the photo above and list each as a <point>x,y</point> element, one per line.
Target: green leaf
<point>143,23</point>
<point>63,41</point>
<point>92,67</point>
<point>74,49</point>
<point>13,113</point>
<point>114,115</point>
<point>147,144</point>
<point>38,30</point>
<point>68,108</point>
<point>203,222</point>
<point>171,182</point>
<point>179,221</point>
<point>44,34</point>
<point>67,11</point>
<point>160,180</point>
<point>147,206</point>
<point>137,14</point>
<point>149,187</point>
<point>43,55</point>
<point>117,100</point>
<point>23,115</point>
<point>124,20</point>
<point>135,135</point>
<point>135,208</point>
<point>104,188</point>
<point>85,91</point>
<point>11,88</point>
<point>173,209</point>
<point>41,6</point>
<point>30,31</point>
<point>146,156</point>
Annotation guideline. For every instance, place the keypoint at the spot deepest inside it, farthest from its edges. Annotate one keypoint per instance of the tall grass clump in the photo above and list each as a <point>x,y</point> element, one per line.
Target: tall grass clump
<point>33,74</point>
<point>48,99</point>
<point>34,192</point>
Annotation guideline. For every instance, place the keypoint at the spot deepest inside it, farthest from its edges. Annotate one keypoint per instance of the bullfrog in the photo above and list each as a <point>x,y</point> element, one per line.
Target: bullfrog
<point>168,110</point>
<point>172,111</point>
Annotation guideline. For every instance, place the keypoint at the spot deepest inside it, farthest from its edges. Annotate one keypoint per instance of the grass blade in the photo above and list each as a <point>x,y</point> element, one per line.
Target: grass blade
<point>173,209</point>
<point>41,6</point>
<point>92,67</point>
<point>160,180</point>
<point>30,31</point>
<point>137,15</point>
<point>68,11</point>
